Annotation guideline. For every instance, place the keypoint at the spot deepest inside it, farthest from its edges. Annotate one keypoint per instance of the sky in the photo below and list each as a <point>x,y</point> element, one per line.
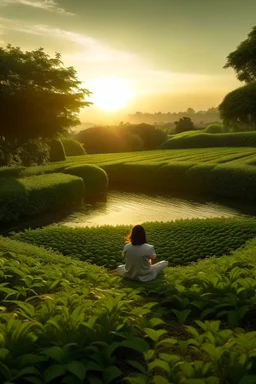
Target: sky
<point>136,55</point>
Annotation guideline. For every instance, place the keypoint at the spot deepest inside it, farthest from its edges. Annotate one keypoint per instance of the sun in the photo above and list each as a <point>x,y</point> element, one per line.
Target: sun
<point>110,94</point>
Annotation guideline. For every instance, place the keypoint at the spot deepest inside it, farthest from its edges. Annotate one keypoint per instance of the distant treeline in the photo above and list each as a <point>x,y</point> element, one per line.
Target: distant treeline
<point>121,138</point>
<point>200,118</point>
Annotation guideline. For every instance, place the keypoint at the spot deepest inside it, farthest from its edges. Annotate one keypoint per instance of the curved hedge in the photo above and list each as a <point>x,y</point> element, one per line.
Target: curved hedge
<point>72,147</point>
<point>37,194</point>
<point>95,178</point>
<point>207,140</point>
<point>215,128</point>
<point>57,152</point>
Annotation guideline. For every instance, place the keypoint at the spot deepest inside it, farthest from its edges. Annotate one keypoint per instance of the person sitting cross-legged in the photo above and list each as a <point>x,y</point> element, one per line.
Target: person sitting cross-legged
<point>138,256</point>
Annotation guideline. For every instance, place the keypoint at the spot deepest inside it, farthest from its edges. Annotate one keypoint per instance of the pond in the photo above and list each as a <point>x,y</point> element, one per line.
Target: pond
<point>122,207</point>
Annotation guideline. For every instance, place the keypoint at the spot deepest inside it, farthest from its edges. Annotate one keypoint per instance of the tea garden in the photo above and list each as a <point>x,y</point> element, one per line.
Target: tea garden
<point>65,315</point>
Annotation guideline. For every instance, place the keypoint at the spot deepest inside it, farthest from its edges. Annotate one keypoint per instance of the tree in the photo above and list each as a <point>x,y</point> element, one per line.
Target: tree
<point>39,97</point>
<point>184,124</point>
<point>238,109</point>
<point>243,59</point>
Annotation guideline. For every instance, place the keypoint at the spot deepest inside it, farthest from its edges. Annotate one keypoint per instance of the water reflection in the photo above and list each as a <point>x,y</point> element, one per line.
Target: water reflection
<point>122,207</point>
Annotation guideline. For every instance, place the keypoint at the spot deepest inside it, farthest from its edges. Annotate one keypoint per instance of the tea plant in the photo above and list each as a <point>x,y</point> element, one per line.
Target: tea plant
<point>179,242</point>
<point>66,321</point>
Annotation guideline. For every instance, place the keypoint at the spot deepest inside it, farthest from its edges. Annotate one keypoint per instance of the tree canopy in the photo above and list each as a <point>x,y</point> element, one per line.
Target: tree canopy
<point>238,109</point>
<point>122,138</point>
<point>243,59</point>
<point>184,124</point>
<point>40,98</point>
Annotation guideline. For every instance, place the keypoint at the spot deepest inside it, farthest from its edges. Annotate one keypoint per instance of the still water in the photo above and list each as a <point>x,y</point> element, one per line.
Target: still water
<point>135,208</point>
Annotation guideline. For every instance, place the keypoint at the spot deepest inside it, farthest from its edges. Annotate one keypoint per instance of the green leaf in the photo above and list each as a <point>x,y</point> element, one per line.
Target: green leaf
<point>160,364</point>
<point>78,369</point>
<point>149,354</point>
<point>193,331</point>
<point>111,373</point>
<point>166,342</point>
<point>153,334</point>
<point>54,371</point>
<point>157,379</point>
<point>3,353</point>
<point>135,343</point>
<point>137,365</point>
<point>154,322</point>
<point>30,359</point>
<point>55,353</point>
<point>27,371</point>
<point>170,359</point>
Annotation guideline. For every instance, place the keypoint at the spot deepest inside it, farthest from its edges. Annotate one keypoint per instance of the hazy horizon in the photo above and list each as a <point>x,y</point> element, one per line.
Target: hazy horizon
<point>147,56</point>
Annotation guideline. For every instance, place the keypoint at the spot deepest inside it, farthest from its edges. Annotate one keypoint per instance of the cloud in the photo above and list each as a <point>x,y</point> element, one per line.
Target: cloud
<point>87,49</point>
<point>48,5</point>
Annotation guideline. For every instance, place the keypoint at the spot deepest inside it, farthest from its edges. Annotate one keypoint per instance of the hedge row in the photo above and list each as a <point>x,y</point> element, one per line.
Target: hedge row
<point>205,140</point>
<point>37,194</point>
<point>95,178</point>
<point>72,147</point>
<point>232,181</point>
<point>60,148</point>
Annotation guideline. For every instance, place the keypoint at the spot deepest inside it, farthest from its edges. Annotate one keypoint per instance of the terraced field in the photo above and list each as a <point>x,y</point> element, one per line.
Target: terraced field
<point>231,156</point>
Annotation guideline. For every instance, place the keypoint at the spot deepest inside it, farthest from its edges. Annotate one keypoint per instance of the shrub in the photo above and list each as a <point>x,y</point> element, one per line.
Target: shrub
<point>72,147</point>
<point>95,178</point>
<point>123,138</point>
<point>34,152</point>
<point>57,152</point>
<point>206,140</point>
<point>37,194</point>
<point>215,128</point>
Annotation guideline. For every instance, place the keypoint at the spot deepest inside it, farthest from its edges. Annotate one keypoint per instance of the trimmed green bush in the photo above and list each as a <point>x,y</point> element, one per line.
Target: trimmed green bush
<point>215,128</point>
<point>72,147</point>
<point>57,152</point>
<point>218,172</point>
<point>207,140</point>
<point>95,178</point>
<point>37,194</point>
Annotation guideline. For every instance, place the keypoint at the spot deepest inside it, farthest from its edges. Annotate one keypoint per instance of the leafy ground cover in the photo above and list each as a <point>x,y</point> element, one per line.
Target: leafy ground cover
<point>33,195</point>
<point>179,242</point>
<point>65,321</point>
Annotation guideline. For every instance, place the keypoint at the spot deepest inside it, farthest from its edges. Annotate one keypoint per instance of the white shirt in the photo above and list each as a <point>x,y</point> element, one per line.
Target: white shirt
<point>137,261</point>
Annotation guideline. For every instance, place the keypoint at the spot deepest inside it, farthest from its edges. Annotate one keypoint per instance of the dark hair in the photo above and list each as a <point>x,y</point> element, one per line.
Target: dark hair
<point>137,236</point>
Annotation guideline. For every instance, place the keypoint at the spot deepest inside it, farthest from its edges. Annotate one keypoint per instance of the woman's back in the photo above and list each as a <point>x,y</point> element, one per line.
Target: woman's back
<point>137,260</point>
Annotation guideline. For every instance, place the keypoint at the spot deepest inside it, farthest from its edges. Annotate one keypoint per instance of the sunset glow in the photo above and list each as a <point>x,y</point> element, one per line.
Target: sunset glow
<point>110,94</point>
